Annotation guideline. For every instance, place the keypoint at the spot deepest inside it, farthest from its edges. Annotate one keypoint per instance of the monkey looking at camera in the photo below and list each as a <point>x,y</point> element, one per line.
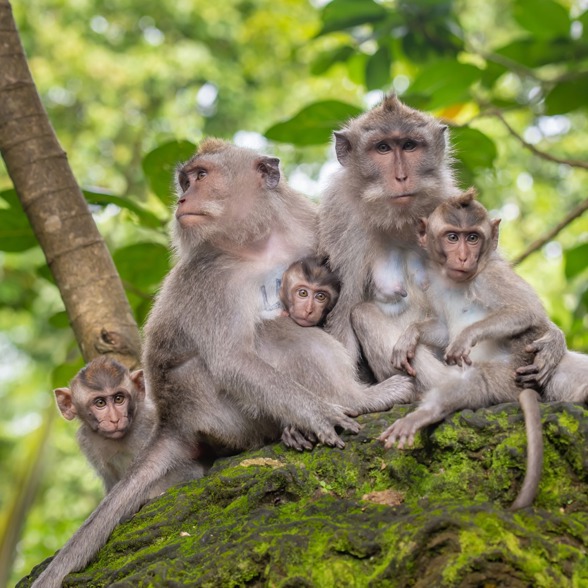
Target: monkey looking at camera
<point>396,168</point>
<point>116,418</point>
<point>225,369</point>
<point>485,316</point>
<point>309,291</point>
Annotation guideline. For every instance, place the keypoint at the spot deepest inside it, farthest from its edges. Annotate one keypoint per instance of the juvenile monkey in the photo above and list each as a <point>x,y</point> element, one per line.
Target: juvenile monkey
<point>224,368</point>
<point>485,317</point>
<point>396,168</point>
<point>116,418</point>
<point>309,291</point>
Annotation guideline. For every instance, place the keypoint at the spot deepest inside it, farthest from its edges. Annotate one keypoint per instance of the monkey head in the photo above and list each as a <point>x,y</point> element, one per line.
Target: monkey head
<point>209,209</point>
<point>104,395</point>
<point>309,291</point>
<point>399,158</point>
<point>459,236</point>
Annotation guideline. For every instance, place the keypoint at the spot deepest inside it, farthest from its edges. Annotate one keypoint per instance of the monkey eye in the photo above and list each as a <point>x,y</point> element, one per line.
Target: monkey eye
<point>302,292</point>
<point>473,238</point>
<point>383,147</point>
<point>119,398</point>
<point>99,402</point>
<point>320,296</point>
<point>201,174</point>
<point>452,237</point>
<point>409,145</point>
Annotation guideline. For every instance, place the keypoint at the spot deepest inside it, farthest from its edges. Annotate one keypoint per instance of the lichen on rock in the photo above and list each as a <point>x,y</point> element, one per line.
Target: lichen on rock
<point>432,515</point>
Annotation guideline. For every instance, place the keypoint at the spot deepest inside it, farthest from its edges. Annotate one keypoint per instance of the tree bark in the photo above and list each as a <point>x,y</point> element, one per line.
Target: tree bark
<point>77,255</point>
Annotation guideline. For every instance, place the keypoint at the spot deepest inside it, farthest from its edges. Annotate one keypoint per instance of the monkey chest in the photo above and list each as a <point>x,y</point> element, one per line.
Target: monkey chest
<point>268,293</point>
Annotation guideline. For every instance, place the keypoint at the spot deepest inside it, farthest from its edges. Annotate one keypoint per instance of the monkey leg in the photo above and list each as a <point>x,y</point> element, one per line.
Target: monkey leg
<point>569,382</point>
<point>377,335</point>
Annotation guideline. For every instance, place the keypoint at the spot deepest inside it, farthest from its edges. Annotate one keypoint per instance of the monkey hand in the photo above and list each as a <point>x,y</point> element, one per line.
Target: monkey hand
<point>298,440</point>
<point>548,351</point>
<point>458,351</point>
<point>404,350</point>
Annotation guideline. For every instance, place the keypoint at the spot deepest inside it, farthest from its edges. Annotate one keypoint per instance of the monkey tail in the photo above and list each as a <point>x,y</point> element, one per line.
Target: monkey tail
<point>530,405</point>
<point>124,500</point>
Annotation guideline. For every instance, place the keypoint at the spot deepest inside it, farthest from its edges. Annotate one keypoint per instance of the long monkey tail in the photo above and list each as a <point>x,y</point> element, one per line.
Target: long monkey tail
<point>530,405</point>
<point>126,497</point>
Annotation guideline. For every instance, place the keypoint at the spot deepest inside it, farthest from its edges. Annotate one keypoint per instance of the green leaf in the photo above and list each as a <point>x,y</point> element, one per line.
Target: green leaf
<point>16,233</point>
<point>142,265</point>
<point>567,96</point>
<point>327,59</point>
<point>576,260</point>
<point>473,148</point>
<point>545,19</point>
<point>377,71</point>
<point>59,320</point>
<point>64,373</point>
<point>343,14</point>
<point>314,124</point>
<point>103,198</point>
<point>445,82</point>
<point>536,52</point>
<point>159,166</point>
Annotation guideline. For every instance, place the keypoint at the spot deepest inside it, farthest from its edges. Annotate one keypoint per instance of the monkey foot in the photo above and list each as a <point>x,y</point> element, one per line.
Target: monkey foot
<point>402,432</point>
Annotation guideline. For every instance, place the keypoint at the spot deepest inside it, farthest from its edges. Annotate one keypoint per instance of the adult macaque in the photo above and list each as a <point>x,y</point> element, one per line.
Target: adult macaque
<point>117,420</point>
<point>215,337</point>
<point>396,169</point>
<point>485,316</point>
<point>309,291</point>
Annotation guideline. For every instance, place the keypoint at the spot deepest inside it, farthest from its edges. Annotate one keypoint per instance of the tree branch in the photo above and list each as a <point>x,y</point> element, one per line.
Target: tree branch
<point>572,215</point>
<point>79,260</point>
<point>533,149</point>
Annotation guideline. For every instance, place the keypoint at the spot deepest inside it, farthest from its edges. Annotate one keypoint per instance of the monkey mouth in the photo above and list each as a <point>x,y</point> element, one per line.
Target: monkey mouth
<point>116,434</point>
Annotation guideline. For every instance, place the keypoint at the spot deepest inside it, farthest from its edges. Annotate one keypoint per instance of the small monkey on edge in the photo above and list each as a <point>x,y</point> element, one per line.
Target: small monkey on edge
<point>117,420</point>
<point>309,291</point>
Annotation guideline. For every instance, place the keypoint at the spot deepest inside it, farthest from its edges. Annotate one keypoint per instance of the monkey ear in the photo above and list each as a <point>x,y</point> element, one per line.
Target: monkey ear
<point>138,379</point>
<point>342,147</point>
<point>495,224</point>
<point>64,403</point>
<point>269,167</point>
<point>422,232</point>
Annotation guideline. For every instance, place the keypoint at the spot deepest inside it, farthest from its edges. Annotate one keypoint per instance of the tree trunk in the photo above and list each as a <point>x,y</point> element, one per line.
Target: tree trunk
<point>77,256</point>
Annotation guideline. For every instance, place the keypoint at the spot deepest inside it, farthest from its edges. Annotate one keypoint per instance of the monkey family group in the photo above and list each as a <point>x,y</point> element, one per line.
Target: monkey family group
<point>286,320</point>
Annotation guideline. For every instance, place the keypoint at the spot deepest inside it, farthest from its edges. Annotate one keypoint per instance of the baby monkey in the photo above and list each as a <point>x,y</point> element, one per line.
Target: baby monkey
<point>117,419</point>
<point>309,291</point>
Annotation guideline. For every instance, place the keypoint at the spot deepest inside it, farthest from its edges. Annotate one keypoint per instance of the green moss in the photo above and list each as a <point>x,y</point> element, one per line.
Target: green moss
<point>292,519</point>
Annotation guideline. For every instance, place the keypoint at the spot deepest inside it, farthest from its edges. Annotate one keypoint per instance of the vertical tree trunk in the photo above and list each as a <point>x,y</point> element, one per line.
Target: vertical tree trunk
<point>79,260</point>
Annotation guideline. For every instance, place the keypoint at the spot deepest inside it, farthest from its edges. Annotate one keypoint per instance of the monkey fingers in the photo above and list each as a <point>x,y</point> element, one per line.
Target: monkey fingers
<point>527,376</point>
<point>458,354</point>
<point>295,439</point>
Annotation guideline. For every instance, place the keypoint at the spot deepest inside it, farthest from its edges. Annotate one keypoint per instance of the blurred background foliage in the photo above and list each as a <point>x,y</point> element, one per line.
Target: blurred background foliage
<point>131,86</point>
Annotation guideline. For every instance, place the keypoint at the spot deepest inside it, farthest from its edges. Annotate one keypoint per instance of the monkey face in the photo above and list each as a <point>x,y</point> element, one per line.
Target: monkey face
<point>308,305</point>
<point>110,413</point>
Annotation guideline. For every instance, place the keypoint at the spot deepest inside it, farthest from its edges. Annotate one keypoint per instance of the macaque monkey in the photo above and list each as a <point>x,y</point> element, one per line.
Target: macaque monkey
<point>309,291</point>
<point>117,419</point>
<point>485,316</point>
<point>225,369</point>
<point>397,167</point>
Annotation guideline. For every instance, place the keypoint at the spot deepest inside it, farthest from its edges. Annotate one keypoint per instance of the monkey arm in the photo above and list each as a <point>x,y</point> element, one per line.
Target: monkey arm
<point>500,324</point>
<point>432,332</point>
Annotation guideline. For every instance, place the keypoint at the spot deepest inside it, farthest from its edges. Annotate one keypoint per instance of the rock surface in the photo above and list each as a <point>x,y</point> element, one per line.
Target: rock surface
<point>431,516</point>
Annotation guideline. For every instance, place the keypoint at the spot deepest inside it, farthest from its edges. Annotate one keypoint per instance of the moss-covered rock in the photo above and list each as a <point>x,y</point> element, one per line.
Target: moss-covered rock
<point>430,516</point>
